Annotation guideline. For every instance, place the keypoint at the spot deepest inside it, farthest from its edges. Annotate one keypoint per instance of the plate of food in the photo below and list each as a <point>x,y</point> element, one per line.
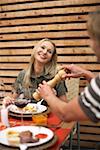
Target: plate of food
<point>29,109</point>
<point>25,135</point>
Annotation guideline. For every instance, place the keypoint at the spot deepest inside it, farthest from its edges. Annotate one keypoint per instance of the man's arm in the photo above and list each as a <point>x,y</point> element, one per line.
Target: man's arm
<point>70,111</point>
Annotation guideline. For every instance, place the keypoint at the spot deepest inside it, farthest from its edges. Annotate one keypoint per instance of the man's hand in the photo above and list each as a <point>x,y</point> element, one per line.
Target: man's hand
<point>45,90</point>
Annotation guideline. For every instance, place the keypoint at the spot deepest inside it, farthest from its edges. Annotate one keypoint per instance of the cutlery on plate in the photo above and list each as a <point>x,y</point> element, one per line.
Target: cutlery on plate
<point>40,102</point>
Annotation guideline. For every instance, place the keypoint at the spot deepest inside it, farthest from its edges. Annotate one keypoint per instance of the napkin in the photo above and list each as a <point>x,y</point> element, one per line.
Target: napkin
<point>4,116</point>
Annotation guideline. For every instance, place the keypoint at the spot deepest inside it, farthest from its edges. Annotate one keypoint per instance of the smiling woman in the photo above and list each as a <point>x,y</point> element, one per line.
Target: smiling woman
<point>42,66</point>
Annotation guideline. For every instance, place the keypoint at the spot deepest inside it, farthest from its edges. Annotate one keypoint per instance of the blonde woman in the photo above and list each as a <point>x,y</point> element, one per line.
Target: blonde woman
<point>42,66</point>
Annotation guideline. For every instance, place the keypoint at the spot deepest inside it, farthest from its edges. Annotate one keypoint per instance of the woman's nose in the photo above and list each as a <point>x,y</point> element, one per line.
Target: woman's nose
<point>45,51</point>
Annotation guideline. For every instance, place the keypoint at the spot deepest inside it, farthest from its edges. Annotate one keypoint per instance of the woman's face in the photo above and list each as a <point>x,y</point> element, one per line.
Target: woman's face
<point>44,52</point>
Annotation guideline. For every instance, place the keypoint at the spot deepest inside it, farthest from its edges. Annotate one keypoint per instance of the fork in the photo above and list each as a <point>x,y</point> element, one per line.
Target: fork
<point>39,103</point>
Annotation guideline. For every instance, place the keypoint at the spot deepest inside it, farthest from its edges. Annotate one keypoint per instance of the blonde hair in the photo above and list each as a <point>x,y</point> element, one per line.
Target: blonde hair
<point>50,67</point>
<point>94,25</point>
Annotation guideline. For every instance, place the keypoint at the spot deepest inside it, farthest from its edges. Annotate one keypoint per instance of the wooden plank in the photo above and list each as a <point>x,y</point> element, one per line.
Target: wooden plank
<point>54,3</point>
<point>62,34</point>
<point>89,137</point>
<point>72,59</point>
<point>76,42</point>
<point>49,27</point>
<point>89,123</point>
<point>91,130</point>
<point>8,87</point>
<point>7,65</point>
<point>42,4</point>
<point>12,1</point>
<point>9,73</point>
<point>66,50</point>
<point>44,20</point>
<point>86,144</point>
<point>13,66</point>
<point>7,80</point>
<point>76,50</point>
<point>15,59</point>
<point>60,59</point>
<point>55,11</point>
<point>16,51</point>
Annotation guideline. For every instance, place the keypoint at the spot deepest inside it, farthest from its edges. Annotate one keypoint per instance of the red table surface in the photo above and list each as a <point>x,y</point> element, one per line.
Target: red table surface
<point>62,133</point>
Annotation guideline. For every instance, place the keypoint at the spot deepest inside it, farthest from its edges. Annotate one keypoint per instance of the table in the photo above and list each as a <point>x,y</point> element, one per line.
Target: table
<point>61,132</point>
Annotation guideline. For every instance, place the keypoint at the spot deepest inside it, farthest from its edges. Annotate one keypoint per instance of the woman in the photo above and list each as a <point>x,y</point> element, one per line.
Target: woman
<point>42,66</point>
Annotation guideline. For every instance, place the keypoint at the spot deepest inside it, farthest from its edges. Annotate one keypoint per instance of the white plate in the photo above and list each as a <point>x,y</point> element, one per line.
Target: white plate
<point>34,129</point>
<point>38,109</point>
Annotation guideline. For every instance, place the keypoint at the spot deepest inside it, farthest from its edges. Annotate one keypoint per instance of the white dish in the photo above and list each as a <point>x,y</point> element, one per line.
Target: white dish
<point>34,129</point>
<point>37,109</point>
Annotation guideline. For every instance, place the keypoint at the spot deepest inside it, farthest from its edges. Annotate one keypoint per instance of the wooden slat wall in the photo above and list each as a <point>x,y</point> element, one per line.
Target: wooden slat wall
<point>24,22</point>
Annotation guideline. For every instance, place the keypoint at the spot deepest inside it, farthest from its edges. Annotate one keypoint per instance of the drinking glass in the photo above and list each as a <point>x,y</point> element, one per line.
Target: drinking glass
<point>21,103</point>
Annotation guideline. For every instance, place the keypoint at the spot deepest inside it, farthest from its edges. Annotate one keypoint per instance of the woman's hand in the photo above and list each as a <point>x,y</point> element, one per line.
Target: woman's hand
<point>7,101</point>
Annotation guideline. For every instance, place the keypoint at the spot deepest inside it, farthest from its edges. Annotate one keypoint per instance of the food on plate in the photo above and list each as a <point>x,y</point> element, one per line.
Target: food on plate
<point>13,133</point>
<point>27,137</point>
<point>41,136</point>
<point>16,138</point>
<point>30,108</point>
<point>13,137</point>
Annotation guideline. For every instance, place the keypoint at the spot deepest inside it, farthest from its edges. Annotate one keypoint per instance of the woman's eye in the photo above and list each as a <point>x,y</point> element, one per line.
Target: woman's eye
<point>49,51</point>
<point>42,47</point>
